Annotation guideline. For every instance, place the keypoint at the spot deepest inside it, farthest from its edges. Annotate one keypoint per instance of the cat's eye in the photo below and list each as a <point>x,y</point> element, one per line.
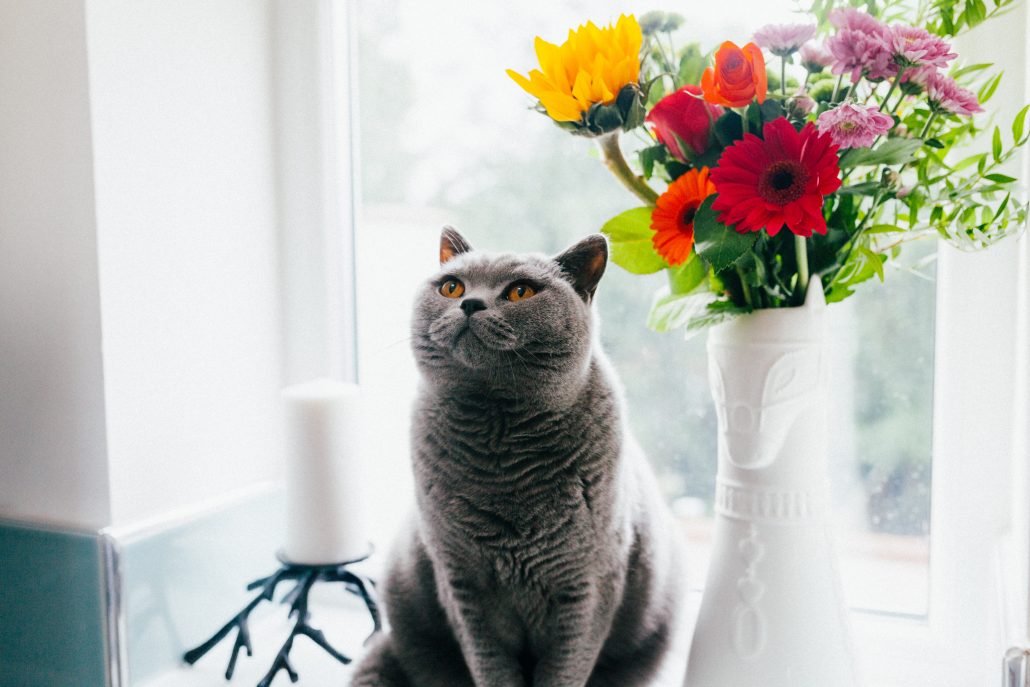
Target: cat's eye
<point>520,292</point>
<point>452,288</point>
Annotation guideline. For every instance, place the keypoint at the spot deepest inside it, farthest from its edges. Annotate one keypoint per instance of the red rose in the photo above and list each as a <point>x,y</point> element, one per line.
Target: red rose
<point>683,120</point>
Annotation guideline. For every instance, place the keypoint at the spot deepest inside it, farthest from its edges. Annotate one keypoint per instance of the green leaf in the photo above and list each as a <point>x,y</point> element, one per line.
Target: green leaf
<point>688,276</point>
<point>866,188</point>
<point>630,235</point>
<point>875,261</point>
<point>996,145</point>
<point>754,119</point>
<point>862,265</point>
<point>999,213</point>
<point>655,90</point>
<point>715,313</point>
<point>971,160</point>
<point>728,128</point>
<point>1019,124</point>
<point>884,229</point>
<point>975,12</point>
<point>772,109</point>
<point>1000,178</point>
<point>649,156</point>
<point>893,151</point>
<point>934,143</point>
<point>674,310</point>
<point>988,89</point>
<point>692,64</point>
<point>719,245</point>
<point>971,68</point>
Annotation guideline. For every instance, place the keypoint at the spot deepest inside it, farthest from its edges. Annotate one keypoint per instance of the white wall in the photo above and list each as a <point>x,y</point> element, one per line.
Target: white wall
<point>184,164</point>
<point>53,458</point>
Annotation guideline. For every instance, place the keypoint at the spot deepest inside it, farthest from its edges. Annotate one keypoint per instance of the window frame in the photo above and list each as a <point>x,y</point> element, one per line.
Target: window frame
<point>980,517</point>
<point>973,513</point>
<point>316,151</point>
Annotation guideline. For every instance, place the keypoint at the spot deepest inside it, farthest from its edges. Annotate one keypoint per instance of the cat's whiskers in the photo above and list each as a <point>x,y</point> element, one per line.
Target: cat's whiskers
<point>396,343</point>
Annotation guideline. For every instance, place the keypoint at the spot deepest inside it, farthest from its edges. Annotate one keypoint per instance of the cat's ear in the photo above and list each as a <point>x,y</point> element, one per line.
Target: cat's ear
<point>583,264</point>
<point>452,244</point>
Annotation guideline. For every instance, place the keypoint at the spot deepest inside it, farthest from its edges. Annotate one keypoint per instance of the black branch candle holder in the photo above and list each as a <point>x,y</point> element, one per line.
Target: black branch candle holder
<point>304,578</point>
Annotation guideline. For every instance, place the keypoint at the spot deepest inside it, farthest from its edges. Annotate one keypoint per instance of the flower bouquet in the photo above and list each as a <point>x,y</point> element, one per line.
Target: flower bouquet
<point>826,165</point>
<point>764,195</point>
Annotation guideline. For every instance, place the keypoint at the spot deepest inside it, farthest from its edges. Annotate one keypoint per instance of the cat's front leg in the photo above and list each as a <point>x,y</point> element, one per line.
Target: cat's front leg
<point>491,663</point>
<point>575,641</point>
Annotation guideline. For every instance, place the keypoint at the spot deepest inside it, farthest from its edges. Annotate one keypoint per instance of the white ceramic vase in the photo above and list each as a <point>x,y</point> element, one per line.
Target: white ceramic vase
<point>772,614</point>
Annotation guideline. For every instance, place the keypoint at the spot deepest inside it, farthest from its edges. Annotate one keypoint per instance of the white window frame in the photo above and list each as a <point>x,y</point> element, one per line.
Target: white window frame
<point>978,546</point>
<point>317,162</point>
<point>980,517</point>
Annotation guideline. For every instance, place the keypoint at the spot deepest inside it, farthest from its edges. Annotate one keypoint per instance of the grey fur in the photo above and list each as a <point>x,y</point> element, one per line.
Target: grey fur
<point>541,553</point>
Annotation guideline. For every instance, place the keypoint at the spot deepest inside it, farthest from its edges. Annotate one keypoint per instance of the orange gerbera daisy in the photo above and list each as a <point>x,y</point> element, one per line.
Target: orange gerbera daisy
<point>673,216</point>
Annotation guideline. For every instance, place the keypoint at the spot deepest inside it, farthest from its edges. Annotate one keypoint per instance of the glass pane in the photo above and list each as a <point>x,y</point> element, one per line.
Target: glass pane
<point>446,137</point>
<point>881,410</point>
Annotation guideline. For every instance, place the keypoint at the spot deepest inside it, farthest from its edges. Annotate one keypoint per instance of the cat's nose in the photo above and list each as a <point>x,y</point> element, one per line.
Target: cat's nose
<point>472,305</point>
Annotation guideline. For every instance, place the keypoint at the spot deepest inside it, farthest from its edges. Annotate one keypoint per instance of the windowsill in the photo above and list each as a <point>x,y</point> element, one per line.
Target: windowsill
<point>345,623</point>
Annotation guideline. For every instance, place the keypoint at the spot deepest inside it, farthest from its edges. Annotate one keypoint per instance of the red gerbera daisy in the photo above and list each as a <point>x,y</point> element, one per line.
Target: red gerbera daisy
<point>778,181</point>
<point>673,216</point>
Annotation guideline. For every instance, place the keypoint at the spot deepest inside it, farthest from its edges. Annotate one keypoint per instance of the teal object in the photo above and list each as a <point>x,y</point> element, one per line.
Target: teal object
<point>51,608</point>
<point>180,582</point>
<point>70,602</point>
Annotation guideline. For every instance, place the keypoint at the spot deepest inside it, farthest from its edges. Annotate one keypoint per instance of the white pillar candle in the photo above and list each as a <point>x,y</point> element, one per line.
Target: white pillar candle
<point>324,510</point>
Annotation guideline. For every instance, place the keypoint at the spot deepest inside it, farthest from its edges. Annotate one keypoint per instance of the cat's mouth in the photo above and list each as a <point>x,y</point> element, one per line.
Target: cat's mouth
<point>471,340</point>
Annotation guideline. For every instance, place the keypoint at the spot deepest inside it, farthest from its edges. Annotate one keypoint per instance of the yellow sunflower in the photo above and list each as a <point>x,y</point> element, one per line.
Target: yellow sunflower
<point>592,66</point>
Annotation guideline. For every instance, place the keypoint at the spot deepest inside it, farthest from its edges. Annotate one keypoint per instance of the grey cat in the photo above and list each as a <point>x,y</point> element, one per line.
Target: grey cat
<point>541,552</point>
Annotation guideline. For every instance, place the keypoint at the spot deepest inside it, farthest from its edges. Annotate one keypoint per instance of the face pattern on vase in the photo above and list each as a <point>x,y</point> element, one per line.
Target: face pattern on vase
<point>756,422</point>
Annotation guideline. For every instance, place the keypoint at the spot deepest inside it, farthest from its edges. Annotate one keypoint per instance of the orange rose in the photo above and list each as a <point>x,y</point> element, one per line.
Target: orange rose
<point>737,78</point>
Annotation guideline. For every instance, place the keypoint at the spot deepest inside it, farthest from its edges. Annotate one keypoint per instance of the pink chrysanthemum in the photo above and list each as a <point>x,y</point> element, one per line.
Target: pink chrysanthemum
<point>946,95</point>
<point>861,45</point>
<point>802,105</point>
<point>919,75</point>
<point>815,57</point>
<point>854,126</point>
<point>860,54</point>
<point>857,20</point>
<point>783,40</point>
<point>915,47</point>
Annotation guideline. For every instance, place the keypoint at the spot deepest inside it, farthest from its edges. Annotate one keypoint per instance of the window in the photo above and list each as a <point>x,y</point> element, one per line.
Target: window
<point>445,138</point>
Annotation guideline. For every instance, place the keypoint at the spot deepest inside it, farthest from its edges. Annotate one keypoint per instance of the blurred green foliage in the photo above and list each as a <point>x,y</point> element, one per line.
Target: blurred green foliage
<point>556,191</point>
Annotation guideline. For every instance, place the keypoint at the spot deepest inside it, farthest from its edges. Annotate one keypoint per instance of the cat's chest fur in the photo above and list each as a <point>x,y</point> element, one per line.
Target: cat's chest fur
<point>525,492</point>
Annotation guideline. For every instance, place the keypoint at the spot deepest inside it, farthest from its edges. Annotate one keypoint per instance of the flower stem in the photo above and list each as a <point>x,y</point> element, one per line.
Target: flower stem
<point>929,121</point>
<point>853,241</point>
<point>611,153</point>
<point>894,84</point>
<point>897,103</point>
<point>801,255</point>
<point>836,89</point>
<point>783,76</point>
<point>744,286</point>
